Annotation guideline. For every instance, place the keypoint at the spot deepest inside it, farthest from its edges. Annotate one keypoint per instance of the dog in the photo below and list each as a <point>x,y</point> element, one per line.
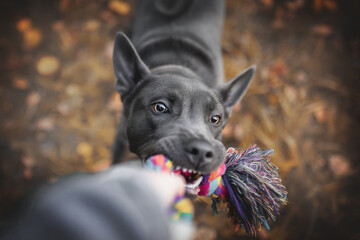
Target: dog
<point>170,79</point>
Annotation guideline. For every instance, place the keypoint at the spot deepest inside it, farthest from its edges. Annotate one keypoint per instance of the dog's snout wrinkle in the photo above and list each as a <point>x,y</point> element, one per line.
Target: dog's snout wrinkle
<point>191,133</point>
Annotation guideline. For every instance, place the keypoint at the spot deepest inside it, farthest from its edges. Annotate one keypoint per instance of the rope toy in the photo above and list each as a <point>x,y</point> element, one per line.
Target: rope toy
<point>182,208</point>
<point>248,182</point>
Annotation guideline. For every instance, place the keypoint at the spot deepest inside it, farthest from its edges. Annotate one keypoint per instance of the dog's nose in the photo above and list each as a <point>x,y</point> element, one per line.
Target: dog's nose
<point>199,151</point>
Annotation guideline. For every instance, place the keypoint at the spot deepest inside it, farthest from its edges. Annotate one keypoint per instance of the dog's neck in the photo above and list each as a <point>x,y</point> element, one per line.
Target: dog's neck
<point>177,54</point>
<point>185,33</point>
<point>175,70</point>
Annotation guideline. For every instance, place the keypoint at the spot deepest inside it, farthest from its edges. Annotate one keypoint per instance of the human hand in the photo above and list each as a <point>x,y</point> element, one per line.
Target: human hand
<point>166,186</point>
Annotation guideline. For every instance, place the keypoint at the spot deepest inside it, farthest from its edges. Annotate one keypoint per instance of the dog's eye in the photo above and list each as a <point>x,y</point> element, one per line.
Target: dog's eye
<point>160,107</point>
<point>215,119</point>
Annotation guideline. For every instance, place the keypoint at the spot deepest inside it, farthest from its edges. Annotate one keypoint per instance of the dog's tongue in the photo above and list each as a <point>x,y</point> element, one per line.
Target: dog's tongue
<point>186,174</point>
<point>193,188</point>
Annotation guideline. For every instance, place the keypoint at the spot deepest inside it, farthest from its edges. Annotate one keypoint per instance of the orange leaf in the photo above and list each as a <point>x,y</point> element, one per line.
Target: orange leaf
<point>20,83</point>
<point>121,8</point>
<point>47,65</point>
<point>23,25</point>
<point>32,99</point>
<point>32,37</point>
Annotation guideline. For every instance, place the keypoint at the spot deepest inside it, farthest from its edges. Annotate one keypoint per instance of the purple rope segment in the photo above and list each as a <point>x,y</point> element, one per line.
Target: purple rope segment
<point>234,200</point>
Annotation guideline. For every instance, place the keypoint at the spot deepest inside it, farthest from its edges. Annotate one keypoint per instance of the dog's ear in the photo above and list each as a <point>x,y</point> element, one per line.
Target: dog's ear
<point>128,67</point>
<point>234,90</point>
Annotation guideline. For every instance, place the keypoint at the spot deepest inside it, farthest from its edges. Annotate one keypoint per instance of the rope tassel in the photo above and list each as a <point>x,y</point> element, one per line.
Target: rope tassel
<point>256,186</point>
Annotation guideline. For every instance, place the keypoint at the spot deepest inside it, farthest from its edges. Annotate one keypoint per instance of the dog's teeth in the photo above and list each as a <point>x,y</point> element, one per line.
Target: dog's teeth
<point>194,184</point>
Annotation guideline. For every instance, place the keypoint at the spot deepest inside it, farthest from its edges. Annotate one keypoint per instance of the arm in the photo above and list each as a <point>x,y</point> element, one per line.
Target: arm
<point>122,203</point>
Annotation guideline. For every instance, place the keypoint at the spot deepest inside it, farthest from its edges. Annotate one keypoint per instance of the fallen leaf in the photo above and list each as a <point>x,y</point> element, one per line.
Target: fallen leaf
<point>319,163</point>
<point>58,26</point>
<point>32,37</point>
<point>109,49</point>
<point>84,149</point>
<point>100,165</point>
<point>317,5</point>
<point>321,115</point>
<point>205,232</point>
<point>115,104</point>
<point>23,24</point>
<point>301,77</point>
<point>237,107</point>
<point>263,234</point>
<point>263,73</point>
<point>48,65</point>
<point>330,4</point>
<point>295,5</point>
<point>63,5</point>
<point>279,68</point>
<point>323,30</point>
<point>102,151</point>
<point>28,173</point>
<point>72,90</point>
<point>32,99</point>
<point>238,132</point>
<point>121,8</point>
<point>107,16</point>
<point>278,21</point>
<point>339,165</point>
<point>228,130</point>
<point>267,3</point>
<point>20,83</point>
<point>45,124</point>
<point>290,93</point>
<point>28,162</point>
<point>92,25</point>
<point>63,108</point>
<point>273,99</point>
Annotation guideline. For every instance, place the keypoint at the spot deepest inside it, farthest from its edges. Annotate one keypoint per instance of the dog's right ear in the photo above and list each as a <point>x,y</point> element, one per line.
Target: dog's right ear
<point>129,69</point>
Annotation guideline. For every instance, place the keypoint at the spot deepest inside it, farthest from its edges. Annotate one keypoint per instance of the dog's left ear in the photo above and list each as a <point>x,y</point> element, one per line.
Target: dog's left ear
<point>129,69</point>
<point>232,92</point>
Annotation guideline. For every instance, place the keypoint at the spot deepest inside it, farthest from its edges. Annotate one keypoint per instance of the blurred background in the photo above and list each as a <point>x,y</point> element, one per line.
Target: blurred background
<point>59,110</point>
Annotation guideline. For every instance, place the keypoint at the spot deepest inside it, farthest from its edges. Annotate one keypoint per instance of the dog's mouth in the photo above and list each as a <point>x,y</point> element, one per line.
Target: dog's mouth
<point>193,173</point>
<point>193,179</point>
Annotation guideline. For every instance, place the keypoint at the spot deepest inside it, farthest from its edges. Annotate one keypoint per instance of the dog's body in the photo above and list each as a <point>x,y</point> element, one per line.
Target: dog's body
<point>171,83</point>
<point>184,33</point>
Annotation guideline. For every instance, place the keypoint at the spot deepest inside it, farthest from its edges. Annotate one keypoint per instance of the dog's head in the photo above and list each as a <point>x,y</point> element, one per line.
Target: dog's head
<point>177,116</point>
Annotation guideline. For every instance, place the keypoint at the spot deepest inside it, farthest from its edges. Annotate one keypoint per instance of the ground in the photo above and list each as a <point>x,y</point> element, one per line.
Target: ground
<point>59,109</point>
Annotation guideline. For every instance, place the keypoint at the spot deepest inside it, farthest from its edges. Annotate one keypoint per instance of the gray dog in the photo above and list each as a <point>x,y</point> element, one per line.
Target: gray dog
<point>170,79</point>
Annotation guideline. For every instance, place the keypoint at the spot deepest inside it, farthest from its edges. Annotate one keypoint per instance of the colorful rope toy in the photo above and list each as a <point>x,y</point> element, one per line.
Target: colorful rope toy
<point>248,182</point>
